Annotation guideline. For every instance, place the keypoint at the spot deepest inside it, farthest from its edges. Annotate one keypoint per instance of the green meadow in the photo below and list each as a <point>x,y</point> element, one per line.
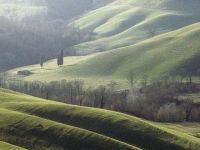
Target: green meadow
<point>154,58</point>
<point>33,123</point>
<point>121,23</point>
<point>127,44</point>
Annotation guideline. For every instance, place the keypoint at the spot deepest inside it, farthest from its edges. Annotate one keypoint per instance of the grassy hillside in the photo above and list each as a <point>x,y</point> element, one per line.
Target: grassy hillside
<point>189,128</point>
<point>6,146</point>
<point>34,132</point>
<point>34,123</point>
<point>42,27</point>
<point>155,58</point>
<point>123,23</point>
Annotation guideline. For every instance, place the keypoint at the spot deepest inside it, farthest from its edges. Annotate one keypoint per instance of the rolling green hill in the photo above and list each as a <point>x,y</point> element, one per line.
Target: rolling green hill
<point>123,23</point>
<point>157,57</point>
<point>35,123</point>
<point>6,146</point>
<point>41,25</point>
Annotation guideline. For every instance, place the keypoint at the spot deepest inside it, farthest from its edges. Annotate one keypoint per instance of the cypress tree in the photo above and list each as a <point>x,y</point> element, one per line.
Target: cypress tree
<point>58,60</point>
<point>61,57</point>
<point>41,61</point>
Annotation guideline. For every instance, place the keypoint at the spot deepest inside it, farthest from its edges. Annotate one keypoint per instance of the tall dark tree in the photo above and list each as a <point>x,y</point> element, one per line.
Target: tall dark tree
<point>60,59</point>
<point>41,61</point>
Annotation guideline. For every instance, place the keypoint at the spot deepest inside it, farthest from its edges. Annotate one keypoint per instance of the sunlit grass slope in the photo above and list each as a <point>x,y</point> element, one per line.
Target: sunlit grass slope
<point>123,23</point>
<point>153,58</point>
<point>189,128</point>
<point>35,123</point>
<point>34,132</point>
<point>7,146</point>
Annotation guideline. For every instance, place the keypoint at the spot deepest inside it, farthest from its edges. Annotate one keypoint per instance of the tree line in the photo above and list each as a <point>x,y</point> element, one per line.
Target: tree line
<point>156,100</point>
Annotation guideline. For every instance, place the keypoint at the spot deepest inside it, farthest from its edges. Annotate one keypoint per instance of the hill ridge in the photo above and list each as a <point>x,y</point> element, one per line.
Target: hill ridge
<point>135,21</point>
<point>52,117</point>
<point>158,57</point>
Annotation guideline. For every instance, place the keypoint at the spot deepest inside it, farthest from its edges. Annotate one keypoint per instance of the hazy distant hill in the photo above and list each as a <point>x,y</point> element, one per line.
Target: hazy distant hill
<point>43,30</point>
<point>124,23</point>
<point>171,53</point>
<point>30,28</point>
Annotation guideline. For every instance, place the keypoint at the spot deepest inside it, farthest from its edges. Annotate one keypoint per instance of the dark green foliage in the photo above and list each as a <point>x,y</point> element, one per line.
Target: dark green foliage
<point>41,61</point>
<point>60,59</point>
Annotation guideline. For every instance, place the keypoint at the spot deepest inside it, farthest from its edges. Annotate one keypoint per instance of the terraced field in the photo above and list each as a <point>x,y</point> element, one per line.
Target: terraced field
<point>34,123</point>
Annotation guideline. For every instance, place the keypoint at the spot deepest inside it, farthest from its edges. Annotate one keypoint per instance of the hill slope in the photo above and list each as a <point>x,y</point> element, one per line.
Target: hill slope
<point>123,23</point>
<point>35,123</point>
<point>42,27</point>
<point>154,58</point>
<point>6,146</point>
<point>34,132</point>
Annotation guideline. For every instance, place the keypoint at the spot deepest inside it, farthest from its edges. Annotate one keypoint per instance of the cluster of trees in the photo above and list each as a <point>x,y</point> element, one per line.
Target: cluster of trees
<point>158,100</point>
<point>71,92</point>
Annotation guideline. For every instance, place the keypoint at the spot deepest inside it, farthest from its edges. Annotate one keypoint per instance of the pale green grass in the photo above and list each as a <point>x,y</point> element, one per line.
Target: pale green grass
<point>194,97</point>
<point>102,129</point>
<point>155,58</point>
<point>124,23</point>
<point>90,21</point>
<point>188,128</point>
<point>55,135</point>
<point>7,146</point>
